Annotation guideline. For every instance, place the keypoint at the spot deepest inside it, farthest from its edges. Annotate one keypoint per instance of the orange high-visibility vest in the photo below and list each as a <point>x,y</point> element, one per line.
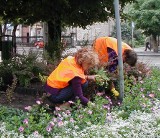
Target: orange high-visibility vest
<point>100,45</point>
<point>66,71</point>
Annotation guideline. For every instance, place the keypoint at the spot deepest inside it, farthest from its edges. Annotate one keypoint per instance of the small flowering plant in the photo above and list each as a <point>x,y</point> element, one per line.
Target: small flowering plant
<point>99,118</point>
<point>102,77</point>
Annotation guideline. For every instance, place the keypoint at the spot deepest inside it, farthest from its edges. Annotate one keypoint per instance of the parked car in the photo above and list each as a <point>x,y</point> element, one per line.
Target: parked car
<point>39,44</point>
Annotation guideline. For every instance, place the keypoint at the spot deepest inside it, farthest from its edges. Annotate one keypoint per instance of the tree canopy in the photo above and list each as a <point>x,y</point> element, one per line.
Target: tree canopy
<point>145,14</point>
<point>71,12</point>
<point>58,13</point>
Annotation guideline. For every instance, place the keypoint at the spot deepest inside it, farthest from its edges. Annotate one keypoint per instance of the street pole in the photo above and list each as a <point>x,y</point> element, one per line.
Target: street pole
<point>132,33</point>
<point>120,60</point>
<point>45,33</point>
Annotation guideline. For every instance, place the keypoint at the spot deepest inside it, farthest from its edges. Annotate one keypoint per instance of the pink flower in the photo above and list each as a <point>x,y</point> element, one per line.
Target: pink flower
<point>140,72</point>
<point>106,106</point>
<point>57,108</point>
<point>48,129</point>
<point>107,97</point>
<point>68,112</point>
<point>60,123</point>
<point>25,121</point>
<point>110,102</point>
<point>141,89</point>
<point>90,112</point>
<point>153,109</point>
<point>141,82</point>
<point>71,120</point>
<point>80,116</point>
<point>52,124</point>
<point>152,95</point>
<point>139,78</point>
<point>144,105</point>
<point>119,103</point>
<point>143,96</point>
<point>38,102</point>
<point>100,93</point>
<point>29,108</point>
<point>54,120</point>
<point>59,115</point>
<point>71,102</point>
<point>21,129</point>
<point>35,133</point>
<point>109,118</point>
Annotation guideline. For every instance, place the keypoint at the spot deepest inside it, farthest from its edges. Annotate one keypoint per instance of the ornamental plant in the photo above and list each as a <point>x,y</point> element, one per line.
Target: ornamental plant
<point>141,92</point>
<point>56,122</point>
<point>137,116</point>
<point>25,67</point>
<point>102,78</point>
<point>101,82</point>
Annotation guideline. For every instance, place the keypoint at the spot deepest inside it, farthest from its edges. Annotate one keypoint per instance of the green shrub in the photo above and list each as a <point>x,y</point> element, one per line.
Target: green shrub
<point>25,67</point>
<point>140,100</point>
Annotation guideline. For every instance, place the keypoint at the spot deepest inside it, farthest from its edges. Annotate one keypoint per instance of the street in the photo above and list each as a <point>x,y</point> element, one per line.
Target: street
<point>148,57</point>
<point>26,50</point>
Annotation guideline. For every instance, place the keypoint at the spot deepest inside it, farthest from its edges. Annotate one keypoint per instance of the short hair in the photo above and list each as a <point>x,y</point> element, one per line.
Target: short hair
<point>87,55</point>
<point>130,57</point>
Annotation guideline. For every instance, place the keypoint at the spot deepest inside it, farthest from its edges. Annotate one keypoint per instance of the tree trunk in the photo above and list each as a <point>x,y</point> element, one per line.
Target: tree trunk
<point>14,39</point>
<point>155,46</point>
<point>4,29</point>
<point>0,30</point>
<point>54,39</point>
<point>0,37</point>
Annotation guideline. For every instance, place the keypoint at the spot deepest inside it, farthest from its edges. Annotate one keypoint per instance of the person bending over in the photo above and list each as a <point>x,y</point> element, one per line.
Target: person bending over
<point>68,80</point>
<point>107,50</point>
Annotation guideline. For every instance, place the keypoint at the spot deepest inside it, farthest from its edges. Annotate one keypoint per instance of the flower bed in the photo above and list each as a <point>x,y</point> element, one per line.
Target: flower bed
<point>138,124</point>
<point>137,116</point>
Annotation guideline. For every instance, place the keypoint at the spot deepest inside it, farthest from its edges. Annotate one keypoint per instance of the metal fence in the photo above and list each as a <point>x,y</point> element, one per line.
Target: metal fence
<point>30,40</point>
<point>6,46</point>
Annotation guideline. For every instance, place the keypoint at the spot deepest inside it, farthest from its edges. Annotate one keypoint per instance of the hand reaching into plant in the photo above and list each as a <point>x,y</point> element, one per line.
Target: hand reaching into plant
<point>91,77</point>
<point>102,78</point>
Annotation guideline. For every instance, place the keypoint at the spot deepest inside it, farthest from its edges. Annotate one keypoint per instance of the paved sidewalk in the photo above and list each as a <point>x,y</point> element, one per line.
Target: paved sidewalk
<point>140,51</point>
<point>148,57</point>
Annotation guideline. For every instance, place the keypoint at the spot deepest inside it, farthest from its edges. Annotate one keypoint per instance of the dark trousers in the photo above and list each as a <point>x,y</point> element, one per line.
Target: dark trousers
<point>148,46</point>
<point>65,94</point>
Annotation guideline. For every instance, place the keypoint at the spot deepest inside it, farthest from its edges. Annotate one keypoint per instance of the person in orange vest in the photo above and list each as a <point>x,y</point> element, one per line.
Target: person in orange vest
<point>107,50</point>
<point>68,80</point>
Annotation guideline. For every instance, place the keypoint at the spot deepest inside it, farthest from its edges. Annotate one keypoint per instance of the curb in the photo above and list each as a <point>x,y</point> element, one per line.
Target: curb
<point>141,53</point>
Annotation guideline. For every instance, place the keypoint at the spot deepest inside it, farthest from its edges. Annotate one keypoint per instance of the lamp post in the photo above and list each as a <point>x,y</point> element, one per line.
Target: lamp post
<point>120,60</point>
<point>132,32</point>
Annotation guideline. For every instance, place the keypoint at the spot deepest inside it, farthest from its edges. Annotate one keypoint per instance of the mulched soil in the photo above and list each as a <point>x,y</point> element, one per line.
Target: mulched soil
<point>19,101</point>
<point>23,97</point>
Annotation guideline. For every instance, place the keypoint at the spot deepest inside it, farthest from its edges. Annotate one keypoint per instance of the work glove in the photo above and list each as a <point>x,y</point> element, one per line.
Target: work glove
<point>115,92</point>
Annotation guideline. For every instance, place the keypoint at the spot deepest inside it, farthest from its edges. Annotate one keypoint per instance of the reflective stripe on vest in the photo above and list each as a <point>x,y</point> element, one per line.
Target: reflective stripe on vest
<point>101,44</point>
<point>66,71</point>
